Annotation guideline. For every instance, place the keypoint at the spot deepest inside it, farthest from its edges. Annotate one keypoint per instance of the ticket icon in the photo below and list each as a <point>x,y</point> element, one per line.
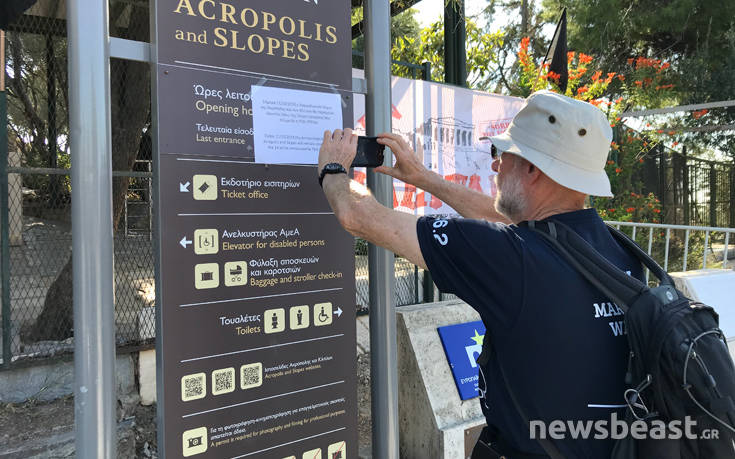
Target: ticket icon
<point>204,187</point>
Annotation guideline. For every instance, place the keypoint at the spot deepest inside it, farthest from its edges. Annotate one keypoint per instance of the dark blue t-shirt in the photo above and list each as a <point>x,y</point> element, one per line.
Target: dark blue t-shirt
<point>561,342</point>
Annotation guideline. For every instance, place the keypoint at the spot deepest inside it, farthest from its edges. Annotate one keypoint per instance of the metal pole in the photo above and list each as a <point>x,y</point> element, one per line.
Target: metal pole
<point>91,179</point>
<point>383,360</point>
<point>460,67</point>
<point>4,207</point>
<point>450,60</point>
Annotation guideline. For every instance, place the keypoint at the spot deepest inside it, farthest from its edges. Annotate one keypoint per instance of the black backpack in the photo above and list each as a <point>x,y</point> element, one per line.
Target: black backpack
<point>679,364</point>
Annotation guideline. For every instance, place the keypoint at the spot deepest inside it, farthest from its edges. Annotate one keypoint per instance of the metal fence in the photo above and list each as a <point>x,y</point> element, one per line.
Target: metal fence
<point>38,306</point>
<point>37,303</point>
<point>693,191</point>
<point>683,247</point>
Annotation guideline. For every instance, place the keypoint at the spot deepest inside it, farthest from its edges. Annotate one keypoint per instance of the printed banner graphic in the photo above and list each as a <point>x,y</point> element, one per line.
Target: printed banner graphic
<point>463,345</point>
<point>444,125</point>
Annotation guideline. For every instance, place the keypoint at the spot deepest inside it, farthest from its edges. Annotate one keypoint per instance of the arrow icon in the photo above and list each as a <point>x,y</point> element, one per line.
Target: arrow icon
<point>184,242</point>
<point>338,311</point>
<point>184,187</point>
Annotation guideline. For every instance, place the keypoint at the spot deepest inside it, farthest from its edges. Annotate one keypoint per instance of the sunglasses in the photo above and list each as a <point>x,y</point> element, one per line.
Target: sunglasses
<point>494,152</point>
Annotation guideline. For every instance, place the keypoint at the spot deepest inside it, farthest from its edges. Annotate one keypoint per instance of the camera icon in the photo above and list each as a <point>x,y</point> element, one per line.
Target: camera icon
<point>194,441</point>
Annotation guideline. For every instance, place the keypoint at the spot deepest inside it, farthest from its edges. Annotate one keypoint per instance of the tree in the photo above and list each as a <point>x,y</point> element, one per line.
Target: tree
<point>481,52</point>
<point>403,26</point>
<point>130,108</point>
<point>697,38</point>
<point>520,20</point>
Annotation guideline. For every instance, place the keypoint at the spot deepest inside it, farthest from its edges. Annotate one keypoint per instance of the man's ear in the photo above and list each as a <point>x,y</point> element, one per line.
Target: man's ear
<point>534,173</point>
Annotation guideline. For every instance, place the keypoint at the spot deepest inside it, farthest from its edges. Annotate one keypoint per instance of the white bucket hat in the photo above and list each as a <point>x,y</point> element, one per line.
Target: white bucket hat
<point>567,139</point>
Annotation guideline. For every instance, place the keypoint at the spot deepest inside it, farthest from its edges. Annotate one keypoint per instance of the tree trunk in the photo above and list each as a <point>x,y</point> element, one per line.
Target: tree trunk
<point>130,107</point>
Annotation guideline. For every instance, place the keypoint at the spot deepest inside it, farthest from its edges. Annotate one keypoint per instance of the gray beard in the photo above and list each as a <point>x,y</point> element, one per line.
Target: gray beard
<point>511,201</point>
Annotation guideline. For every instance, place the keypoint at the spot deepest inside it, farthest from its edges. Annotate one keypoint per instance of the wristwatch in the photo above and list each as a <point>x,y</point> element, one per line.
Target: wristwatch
<point>331,168</point>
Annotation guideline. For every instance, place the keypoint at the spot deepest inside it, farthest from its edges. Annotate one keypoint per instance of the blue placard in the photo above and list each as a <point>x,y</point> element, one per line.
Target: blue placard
<point>463,344</point>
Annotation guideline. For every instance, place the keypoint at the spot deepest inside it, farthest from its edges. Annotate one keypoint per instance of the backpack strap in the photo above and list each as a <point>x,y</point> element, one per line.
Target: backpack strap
<point>646,259</point>
<point>606,277</point>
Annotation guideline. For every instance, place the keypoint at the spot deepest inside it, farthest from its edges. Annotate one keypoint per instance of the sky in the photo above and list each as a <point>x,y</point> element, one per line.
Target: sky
<point>433,10</point>
<point>430,11</point>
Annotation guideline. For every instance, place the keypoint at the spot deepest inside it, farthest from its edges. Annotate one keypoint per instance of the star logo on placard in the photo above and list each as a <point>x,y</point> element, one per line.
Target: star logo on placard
<point>477,338</point>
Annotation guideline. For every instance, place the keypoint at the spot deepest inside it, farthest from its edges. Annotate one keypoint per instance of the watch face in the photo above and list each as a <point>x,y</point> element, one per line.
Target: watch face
<point>333,167</point>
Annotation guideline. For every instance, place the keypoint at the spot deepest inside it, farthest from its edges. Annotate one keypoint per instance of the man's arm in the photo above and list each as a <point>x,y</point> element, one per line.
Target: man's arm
<point>469,203</point>
<point>357,210</point>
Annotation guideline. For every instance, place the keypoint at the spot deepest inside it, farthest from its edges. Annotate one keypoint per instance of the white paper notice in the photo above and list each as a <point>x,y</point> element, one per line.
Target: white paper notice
<point>289,124</point>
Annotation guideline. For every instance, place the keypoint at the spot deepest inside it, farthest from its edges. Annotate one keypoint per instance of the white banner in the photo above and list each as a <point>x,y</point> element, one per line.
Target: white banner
<point>443,124</point>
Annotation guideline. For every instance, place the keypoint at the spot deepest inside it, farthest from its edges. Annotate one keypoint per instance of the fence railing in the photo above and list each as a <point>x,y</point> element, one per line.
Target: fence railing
<point>36,300</point>
<point>671,245</point>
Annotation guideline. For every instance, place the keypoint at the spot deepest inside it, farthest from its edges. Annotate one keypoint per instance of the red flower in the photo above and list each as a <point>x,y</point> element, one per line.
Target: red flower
<point>630,210</point>
<point>610,162</point>
<point>658,211</point>
<point>611,210</point>
<point>618,170</point>
<point>584,58</point>
<point>699,113</point>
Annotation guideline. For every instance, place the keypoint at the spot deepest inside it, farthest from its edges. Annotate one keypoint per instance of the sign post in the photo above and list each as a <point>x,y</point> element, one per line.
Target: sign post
<point>256,337</point>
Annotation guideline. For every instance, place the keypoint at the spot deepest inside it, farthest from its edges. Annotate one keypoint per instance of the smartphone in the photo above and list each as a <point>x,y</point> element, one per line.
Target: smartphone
<point>369,152</point>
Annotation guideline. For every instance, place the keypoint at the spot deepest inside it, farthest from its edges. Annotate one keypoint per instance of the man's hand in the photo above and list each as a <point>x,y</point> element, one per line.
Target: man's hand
<point>357,210</point>
<point>469,203</point>
<point>337,147</point>
<point>408,168</point>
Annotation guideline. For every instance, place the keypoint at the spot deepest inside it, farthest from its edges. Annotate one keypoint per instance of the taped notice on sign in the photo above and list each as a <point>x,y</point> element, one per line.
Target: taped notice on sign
<point>289,124</point>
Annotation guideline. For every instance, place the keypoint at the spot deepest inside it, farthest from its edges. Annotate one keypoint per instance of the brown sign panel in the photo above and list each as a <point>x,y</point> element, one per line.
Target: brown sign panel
<point>212,113</point>
<point>257,292</point>
<point>300,40</point>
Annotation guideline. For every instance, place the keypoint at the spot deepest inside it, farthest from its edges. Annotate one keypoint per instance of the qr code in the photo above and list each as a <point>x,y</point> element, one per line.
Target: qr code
<point>223,381</point>
<point>251,375</point>
<point>193,387</point>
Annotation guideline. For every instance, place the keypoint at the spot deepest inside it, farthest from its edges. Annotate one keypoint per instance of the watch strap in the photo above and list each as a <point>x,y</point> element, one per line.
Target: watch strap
<point>331,168</point>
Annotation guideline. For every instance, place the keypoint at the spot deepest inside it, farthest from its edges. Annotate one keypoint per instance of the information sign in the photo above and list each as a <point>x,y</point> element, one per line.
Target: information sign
<point>257,294</point>
<point>463,345</point>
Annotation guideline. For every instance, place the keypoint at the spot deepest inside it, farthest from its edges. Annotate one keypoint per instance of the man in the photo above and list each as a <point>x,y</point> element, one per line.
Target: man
<point>559,343</point>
